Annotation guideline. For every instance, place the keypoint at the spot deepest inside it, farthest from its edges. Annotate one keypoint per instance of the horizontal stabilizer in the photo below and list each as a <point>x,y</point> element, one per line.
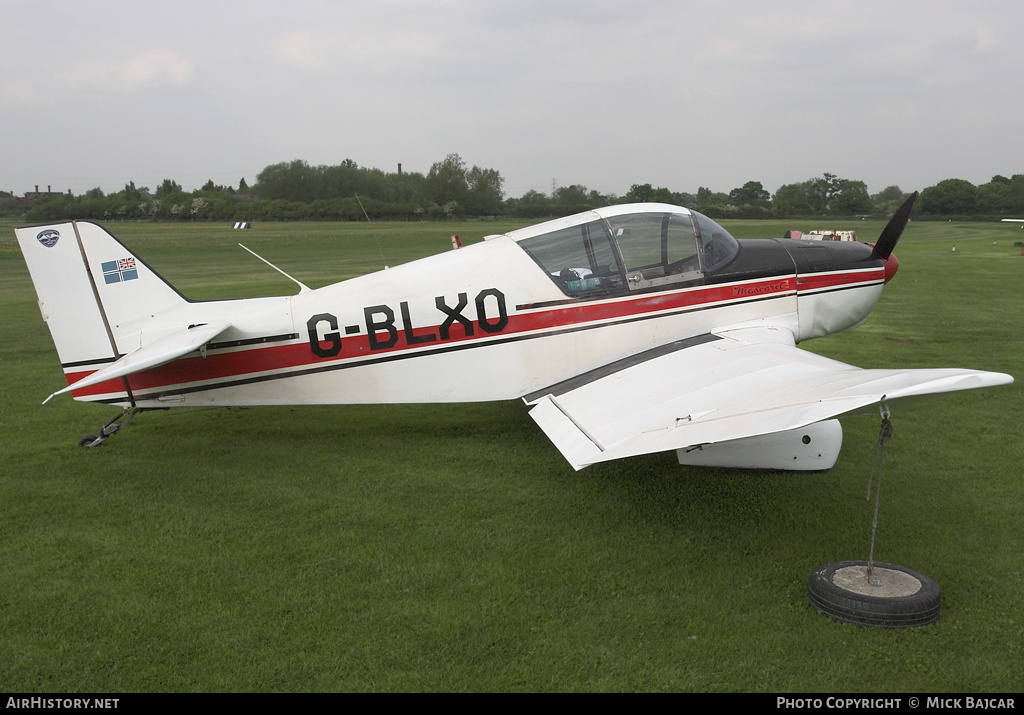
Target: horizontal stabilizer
<point>162,351</point>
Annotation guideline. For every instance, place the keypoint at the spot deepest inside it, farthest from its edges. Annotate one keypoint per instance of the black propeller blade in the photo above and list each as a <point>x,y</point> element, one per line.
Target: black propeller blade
<point>894,229</point>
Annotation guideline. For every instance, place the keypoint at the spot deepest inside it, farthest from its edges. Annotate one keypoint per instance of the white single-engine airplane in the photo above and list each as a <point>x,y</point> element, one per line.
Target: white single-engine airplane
<point>630,329</point>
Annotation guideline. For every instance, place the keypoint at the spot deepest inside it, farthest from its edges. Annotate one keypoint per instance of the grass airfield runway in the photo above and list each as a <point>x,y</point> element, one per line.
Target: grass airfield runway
<point>451,548</point>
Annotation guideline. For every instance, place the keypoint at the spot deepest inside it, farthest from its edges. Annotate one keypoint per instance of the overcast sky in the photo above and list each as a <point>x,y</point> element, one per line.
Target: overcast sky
<point>604,93</point>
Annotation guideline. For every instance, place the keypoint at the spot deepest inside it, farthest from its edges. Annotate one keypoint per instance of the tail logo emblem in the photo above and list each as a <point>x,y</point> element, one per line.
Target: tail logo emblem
<point>48,238</point>
<point>119,271</point>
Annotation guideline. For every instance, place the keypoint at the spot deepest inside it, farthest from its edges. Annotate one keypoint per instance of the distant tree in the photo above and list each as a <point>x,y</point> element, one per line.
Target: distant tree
<point>167,188</point>
<point>821,190</point>
<point>750,193</point>
<point>210,187</point>
<point>852,198</point>
<point>453,211</point>
<point>791,200</point>
<point>826,194</point>
<point>949,197</point>
<point>446,181</point>
<point>888,200</point>
<point>197,206</point>
<point>343,180</point>
<point>639,193</point>
<point>663,195</point>
<point>889,194</point>
<point>296,190</point>
<point>406,187</point>
<point>128,199</point>
<point>1016,198</point>
<point>533,197</point>
<point>993,197</point>
<point>289,181</point>
<point>706,198</point>
<point>1001,195</point>
<point>485,191</point>
<point>575,194</point>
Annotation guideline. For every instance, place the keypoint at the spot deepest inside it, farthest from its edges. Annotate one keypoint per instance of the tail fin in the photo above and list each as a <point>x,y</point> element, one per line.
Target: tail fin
<point>93,293</point>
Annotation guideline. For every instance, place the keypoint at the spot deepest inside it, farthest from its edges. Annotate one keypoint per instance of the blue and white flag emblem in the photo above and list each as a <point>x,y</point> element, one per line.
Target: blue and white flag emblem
<point>48,237</point>
<point>120,270</point>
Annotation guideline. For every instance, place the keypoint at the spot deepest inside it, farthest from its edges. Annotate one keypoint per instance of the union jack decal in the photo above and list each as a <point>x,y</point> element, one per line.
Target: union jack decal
<point>120,270</point>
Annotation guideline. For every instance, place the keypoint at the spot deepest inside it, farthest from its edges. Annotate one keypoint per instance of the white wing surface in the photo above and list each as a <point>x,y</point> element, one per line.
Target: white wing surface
<point>158,353</point>
<point>721,387</point>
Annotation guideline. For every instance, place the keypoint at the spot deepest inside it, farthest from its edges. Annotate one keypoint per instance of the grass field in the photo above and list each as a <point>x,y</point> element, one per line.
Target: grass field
<point>451,548</point>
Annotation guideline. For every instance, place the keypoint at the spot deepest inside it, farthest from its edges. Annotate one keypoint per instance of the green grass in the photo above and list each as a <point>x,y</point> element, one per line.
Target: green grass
<point>450,547</point>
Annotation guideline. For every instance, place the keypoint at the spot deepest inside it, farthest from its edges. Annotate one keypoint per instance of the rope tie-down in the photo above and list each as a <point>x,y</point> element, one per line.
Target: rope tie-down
<point>884,435</point>
<point>866,593</point>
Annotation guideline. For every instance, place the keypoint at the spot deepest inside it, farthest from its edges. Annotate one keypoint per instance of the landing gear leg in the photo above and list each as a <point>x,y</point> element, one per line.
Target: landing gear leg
<point>110,428</point>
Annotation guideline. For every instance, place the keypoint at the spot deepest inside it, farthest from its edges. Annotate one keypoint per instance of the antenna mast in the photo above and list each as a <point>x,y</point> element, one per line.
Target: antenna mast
<point>382,259</point>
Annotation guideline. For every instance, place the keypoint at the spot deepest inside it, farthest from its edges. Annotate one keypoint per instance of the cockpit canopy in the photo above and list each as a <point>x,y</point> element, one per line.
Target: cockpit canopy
<point>628,248</point>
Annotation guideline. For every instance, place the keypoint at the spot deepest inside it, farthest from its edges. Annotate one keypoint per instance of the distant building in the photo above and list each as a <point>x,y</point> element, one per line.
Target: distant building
<point>32,196</point>
<point>828,235</point>
<point>823,235</point>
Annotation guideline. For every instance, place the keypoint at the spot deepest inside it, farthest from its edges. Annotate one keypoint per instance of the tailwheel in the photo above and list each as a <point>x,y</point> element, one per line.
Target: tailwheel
<point>110,428</point>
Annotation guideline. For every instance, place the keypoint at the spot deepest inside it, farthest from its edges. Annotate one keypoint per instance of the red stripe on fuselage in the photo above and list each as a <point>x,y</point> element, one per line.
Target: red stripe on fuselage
<point>239,362</point>
<point>838,279</point>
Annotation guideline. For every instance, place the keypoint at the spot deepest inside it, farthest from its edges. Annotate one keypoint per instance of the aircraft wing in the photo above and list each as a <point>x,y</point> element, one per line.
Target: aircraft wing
<point>160,352</point>
<point>719,387</point>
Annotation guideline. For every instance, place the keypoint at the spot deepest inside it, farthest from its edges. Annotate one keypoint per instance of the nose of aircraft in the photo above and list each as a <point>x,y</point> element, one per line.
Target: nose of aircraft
<point>891,266</point>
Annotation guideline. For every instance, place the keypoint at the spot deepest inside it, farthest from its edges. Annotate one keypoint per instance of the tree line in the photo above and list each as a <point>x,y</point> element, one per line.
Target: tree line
<point>451,189</point>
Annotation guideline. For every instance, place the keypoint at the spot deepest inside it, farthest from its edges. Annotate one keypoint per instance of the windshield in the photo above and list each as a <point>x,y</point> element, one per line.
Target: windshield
<point>718,247</point>
<point>624,252</point>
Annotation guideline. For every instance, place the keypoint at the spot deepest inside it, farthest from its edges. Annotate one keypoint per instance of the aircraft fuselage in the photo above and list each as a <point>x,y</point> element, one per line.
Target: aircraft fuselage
<point>491,321</point>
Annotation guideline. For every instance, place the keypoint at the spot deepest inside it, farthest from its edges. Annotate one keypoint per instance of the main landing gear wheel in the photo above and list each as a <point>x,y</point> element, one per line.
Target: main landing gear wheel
<point>889,597</point>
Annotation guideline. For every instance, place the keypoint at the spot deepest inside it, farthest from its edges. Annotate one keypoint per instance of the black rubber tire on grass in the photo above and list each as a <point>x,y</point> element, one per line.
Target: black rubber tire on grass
<point>920,608</point>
